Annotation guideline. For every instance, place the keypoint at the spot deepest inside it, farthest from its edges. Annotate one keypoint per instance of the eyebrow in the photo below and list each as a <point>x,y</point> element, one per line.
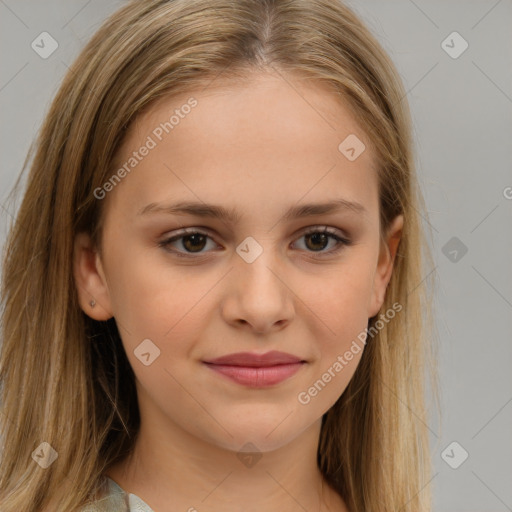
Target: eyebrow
<point>230,215</point>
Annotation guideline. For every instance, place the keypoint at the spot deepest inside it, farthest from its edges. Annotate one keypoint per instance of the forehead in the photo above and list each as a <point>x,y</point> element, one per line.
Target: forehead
<point>269,105</point>
<point>266,139</point>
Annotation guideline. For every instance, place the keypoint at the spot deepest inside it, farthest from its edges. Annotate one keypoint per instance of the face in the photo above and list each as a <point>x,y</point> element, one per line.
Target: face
<point>267,275</point>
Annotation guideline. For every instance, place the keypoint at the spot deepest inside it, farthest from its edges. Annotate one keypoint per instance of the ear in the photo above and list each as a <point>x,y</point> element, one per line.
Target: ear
<point>387,253</point>
<point>90,279</point>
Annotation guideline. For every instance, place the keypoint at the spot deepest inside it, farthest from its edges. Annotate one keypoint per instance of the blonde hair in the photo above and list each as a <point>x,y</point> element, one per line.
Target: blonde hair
<point>61,372</point>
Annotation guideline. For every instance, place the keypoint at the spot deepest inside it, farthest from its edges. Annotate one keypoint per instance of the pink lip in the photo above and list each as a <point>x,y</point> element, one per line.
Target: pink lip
<point>255,360</point>
<point>257,377</point>
<point>256,370</point>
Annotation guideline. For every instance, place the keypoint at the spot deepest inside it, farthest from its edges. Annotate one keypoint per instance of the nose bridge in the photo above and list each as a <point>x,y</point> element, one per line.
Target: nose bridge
<point>260,296</point>
<point>260,262</point>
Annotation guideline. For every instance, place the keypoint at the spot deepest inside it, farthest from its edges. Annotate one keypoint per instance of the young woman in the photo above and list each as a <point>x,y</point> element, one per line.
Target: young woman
<point>214,293</point>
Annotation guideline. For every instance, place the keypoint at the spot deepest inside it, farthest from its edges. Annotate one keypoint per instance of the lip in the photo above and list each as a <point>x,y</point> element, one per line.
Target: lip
<point>256,370</point>
<point>252,359</point>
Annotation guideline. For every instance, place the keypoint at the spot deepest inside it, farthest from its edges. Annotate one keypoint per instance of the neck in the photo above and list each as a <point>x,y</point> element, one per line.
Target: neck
<point>180,472</point>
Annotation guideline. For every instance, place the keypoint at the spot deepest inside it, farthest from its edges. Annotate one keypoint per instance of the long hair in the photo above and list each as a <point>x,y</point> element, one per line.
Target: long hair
<point>61,373</point>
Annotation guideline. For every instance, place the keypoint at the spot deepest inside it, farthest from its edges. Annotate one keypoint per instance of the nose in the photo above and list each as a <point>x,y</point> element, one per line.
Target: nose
<point>258,296</point>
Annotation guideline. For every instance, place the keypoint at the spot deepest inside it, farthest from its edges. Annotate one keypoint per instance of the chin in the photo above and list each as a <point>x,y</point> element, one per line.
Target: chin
<point>265,436</point>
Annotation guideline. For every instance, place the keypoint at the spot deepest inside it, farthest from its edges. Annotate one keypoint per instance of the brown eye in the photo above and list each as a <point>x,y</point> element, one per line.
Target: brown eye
<point>191,242</point>
<point>194,243</point>
<point>187,243</point>
<point>317,240</point>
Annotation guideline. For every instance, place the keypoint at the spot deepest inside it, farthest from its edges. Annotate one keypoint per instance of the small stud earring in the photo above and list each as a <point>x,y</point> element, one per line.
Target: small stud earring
<point>92,303</point>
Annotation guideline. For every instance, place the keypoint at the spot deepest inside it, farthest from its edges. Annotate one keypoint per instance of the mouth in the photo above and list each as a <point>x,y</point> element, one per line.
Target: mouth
<point>256,370</point>
<point>257,376</point>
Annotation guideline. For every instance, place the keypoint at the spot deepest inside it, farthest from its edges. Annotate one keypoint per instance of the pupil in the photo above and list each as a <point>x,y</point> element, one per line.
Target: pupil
<point>320,238</point>
<point>195,238</point>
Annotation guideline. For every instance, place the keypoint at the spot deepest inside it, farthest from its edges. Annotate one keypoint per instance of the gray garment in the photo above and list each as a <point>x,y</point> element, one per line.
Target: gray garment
<point>117,500</point>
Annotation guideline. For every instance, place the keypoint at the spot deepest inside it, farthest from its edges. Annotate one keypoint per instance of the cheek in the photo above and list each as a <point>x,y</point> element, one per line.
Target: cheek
<point>338,325</point>
<point>150,301</point>
<point>337,358</point>
<point>339,300</point>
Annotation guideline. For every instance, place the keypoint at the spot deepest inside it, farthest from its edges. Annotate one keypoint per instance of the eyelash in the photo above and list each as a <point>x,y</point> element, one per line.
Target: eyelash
<point>341,241</point>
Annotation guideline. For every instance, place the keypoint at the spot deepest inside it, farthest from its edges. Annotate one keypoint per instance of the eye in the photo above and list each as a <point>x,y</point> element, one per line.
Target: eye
<point>317,239</point>
<point>193,241</point>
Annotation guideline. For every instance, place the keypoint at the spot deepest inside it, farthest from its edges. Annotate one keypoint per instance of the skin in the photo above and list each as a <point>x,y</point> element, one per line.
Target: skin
<point>259,147</point>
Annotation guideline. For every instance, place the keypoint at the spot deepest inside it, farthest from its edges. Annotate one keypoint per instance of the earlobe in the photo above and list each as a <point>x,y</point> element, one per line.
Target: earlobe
<point>385,265</point>
<point>90,279</point>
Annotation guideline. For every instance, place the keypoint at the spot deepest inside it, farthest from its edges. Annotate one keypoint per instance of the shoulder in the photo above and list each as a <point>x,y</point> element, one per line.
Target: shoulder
<point>113,499</point>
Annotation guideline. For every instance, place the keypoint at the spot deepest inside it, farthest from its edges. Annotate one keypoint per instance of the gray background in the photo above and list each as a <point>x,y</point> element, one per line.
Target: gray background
<point>461,110</point>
